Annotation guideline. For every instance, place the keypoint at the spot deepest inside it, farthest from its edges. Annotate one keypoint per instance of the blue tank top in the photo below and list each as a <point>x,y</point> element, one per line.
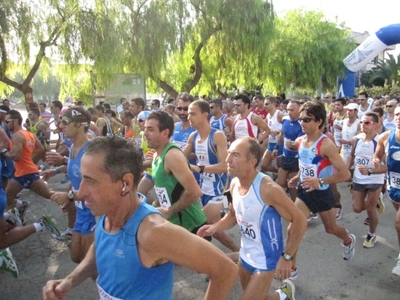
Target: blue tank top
<point>206,152</point>
<point>393,165</point>
<point>180,138</point>
<point>218,124</point>
<point>74,174</point>
<point>291,131</point>
<point>313,164</point>
<point>121,273</point>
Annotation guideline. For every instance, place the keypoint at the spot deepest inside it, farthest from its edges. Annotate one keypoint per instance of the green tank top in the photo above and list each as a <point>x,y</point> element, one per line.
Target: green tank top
<point>169,190</point>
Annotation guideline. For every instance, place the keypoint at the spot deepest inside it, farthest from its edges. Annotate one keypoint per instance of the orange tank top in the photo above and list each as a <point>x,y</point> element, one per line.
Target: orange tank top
<point>129,132</point>
<point>25,164</point>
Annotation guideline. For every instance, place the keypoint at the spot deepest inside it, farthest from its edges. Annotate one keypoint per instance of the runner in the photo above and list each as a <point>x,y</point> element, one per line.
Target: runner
<point>135,247</point>
<point>317,158</point>
<point>367,185</point>
<point>258,204</point>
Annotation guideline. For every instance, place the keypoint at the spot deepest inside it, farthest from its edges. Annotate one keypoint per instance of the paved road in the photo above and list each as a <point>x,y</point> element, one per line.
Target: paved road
<point>323,274</point>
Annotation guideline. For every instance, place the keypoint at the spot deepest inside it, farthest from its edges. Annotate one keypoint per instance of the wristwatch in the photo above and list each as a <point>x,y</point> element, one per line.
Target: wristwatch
<point>321,182</point>
<point>71,196</point>
<point>370,171</point>
<point>287,256</point>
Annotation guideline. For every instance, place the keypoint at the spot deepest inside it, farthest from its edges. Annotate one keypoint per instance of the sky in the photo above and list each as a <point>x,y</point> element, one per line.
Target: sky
<point>358,15</point>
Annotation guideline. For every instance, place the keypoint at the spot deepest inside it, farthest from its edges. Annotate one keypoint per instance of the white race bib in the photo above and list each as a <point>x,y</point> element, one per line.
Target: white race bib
<point>307,170</point>
<point>394,180</point>
<point>163,197</point>
<point>249,230</point>
<point>104,295</point>
<point>363,160</point>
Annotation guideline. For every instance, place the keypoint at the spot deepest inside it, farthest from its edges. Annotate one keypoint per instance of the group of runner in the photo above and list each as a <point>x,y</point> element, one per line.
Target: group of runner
<point>205,171</point>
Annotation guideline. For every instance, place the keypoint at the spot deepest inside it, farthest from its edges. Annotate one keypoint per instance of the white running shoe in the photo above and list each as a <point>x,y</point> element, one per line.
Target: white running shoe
<point>396,269</point>
<point>348,250</point>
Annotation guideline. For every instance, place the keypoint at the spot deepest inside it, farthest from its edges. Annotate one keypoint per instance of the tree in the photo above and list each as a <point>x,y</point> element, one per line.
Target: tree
<point>35,30</point>
<point>386,70</point>
<point>308,52</point>
<point>175,43</point>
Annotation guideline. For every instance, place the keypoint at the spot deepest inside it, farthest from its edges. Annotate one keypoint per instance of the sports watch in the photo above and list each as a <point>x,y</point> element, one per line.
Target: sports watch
<point>287,256</point>
<point>71,196</point>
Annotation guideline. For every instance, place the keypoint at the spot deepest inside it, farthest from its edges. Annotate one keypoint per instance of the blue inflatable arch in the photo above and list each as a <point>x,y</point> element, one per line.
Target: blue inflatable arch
<point>364,53</point>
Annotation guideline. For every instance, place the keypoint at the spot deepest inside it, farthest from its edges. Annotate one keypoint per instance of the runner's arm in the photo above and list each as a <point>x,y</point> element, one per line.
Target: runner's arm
<point>176,163</point>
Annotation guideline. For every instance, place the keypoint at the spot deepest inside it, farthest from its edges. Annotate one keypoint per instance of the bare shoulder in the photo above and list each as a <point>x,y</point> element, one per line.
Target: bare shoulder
<point>270,191</point>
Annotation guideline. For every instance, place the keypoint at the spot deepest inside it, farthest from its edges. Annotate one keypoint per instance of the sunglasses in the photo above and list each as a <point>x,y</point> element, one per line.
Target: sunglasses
<point>141,120</point>
<point>306,120</point>
<point>390,106</point>
<point>211,107</point>
<point>65,121</point>
<point>180,108</point>
<point>367,122</point>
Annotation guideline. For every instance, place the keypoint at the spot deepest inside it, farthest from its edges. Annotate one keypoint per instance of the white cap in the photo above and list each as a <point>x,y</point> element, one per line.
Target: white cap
<point>351,106</point>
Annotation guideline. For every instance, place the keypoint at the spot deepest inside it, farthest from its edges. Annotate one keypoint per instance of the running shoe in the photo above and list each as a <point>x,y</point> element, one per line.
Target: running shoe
<point>348,250</point>
<point>370,241</point>
<point>12,217</point>
<point>338,213</point>
<point>293,275</point>
<point>288,289</point>
<point>65,235</point>
<point>22,210</point>
<point>380,206</point>
<point>396,269</point>
<point>8,263</point>
<point>49,226</point>
<point>312,216</point>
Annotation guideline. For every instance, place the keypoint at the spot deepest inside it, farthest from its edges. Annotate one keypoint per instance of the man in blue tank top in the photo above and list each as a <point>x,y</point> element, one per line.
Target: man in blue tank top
<point>389,142</point>
<point>317,158</point>
<point>75,124</point>
<point>258,204</point>
<point>136,248</point>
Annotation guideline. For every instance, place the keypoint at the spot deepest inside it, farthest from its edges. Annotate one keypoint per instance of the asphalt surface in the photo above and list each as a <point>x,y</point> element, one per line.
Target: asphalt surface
<point>323,274</point>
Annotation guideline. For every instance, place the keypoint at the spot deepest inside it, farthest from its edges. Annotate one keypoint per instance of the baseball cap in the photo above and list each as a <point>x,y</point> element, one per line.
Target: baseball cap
<point>351,106</point>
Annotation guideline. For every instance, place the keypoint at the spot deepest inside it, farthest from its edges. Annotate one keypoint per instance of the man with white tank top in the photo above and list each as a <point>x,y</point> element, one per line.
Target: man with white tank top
<point>247,123</point>
<point>258,205</point>
<point>351,126</point>
<point>367,185</point>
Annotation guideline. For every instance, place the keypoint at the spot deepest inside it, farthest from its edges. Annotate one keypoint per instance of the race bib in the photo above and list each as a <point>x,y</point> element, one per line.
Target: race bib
<point>249,230</point>
<point>273,138</point>
<point>208,176</point>
<point>362,160</point>
<point>79,204</point>
<point>181,145</point>
<point>394,180</point>
<point>307,170</point>
<point>346,148</point>
<point>285,141</point>
<point>104,295</point>
<point>163,197</point>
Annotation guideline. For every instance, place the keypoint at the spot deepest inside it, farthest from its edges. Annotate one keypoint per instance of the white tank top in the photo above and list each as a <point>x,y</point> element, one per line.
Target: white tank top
<point>274,125</point>
<point>244,127</point>
<point>260,226</point>
<point>363,157</point>
<point>348,133</point>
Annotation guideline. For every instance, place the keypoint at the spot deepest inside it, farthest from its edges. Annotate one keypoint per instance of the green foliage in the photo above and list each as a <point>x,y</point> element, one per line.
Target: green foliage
<point>309,49</point>
<point>386,70</point>
<point>378,91</point>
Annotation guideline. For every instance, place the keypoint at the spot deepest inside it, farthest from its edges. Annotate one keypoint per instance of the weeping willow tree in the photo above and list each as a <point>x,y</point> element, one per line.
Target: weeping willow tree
<point>174,43</point>
<point>29,29</point>
<point>308,52</point>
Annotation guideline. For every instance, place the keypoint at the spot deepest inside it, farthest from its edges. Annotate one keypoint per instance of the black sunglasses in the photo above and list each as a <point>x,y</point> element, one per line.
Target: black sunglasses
<point>183,108</point>
<point>306,120</point>
<point>389,106</point>
<point>367,122</point>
